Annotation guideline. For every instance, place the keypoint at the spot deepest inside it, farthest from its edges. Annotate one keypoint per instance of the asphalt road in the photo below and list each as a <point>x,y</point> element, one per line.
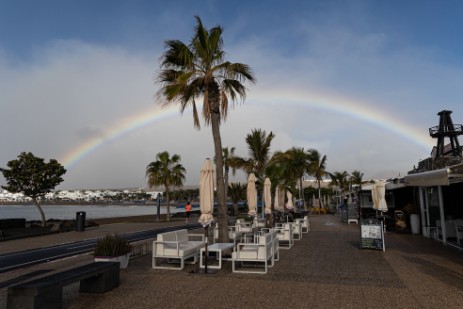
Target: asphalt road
<point>11,261</point>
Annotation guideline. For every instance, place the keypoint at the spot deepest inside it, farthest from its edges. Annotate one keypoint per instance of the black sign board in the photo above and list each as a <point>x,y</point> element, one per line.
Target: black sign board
<point>372,234</point>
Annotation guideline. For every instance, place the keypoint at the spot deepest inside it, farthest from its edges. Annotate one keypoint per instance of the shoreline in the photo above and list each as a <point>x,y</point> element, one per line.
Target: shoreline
<point>139,219</point>
<point>66,226</point>
<point>92,212</point>
<point>113,203</point>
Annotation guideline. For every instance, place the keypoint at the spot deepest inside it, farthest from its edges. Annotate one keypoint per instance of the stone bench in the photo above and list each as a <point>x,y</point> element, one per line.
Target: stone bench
<point>47,292</point>
<point>176,247</point>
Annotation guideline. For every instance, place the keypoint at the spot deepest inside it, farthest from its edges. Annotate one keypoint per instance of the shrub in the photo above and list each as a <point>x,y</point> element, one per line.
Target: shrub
<point>112,245</point>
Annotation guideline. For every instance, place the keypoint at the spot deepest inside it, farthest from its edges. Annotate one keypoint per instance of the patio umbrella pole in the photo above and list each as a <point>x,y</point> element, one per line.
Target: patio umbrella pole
<point>206,254</point>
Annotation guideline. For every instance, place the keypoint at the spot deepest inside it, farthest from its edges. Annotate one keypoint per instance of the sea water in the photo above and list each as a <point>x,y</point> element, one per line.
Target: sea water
<point>68,212</point>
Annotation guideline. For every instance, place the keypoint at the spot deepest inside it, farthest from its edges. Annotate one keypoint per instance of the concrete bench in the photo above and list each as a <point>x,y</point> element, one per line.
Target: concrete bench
<point>259,252</point>
<point>47,292</point>
<point>176,247</point>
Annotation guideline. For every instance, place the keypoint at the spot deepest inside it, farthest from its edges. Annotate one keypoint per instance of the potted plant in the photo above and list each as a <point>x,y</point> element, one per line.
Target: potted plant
<point>113,248</point>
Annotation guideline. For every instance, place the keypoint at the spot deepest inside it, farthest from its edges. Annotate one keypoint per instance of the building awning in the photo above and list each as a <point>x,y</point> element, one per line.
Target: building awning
<point>441,177</point>
<point>428,179</point>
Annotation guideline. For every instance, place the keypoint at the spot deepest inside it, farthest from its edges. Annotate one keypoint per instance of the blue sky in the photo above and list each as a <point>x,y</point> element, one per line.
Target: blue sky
<point>70,70</point>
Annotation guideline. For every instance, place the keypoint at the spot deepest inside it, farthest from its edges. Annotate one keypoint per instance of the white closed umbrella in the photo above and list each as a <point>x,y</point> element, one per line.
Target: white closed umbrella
<point>268,196</point>
<point>290,204</point>
<point>252,195</point>
<point>206,193</point>
<point>381,191</point>
<point>314,201</point>
<point>374,195</point>
<point>206,201</point>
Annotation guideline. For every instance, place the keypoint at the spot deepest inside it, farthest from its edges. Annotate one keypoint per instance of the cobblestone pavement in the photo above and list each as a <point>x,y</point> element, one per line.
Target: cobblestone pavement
<point>325,269</point>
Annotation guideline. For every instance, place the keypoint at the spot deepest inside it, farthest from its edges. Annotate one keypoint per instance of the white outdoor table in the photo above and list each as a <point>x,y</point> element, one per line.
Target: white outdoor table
<point>218,247</point>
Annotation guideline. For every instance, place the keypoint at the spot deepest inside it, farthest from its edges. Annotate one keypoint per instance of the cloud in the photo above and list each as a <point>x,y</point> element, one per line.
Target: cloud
<point>71,91</point>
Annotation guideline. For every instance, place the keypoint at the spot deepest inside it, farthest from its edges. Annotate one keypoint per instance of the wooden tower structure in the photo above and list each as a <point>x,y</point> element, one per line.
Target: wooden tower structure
<point>446,129</point>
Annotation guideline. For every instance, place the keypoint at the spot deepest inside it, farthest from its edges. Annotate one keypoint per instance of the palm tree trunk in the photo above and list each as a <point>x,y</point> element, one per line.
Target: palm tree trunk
<point>281,197</point>
<point>168,204</point>
<point>319,194</point>
<point>226,182</point>
<point>301,196</point>
<point>42,214</point>
<point>222,206</point>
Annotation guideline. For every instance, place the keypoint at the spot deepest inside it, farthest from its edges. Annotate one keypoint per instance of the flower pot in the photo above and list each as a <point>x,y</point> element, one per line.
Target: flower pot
<point>123,259</point>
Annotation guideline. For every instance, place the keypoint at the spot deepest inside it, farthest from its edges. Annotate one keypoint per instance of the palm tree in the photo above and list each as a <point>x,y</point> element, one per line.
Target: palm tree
<point>281,175</point>
<point>165,171</point>
<point>237,193</point>
<point>198,70</point>
<point>259,143</point>
<point>356,177</point>
<point>317,168</point>
<point>228,155</point>
<point>300,163</point>
<point>341,180</point>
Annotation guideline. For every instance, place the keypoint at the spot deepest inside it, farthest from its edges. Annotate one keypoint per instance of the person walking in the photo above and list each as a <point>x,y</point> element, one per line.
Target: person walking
<point>188,208</point>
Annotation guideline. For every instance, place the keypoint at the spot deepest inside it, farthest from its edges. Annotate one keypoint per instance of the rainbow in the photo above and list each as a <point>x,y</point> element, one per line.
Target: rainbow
<point>116,131</point>
<point>351,108</point>
<point>304,99</point>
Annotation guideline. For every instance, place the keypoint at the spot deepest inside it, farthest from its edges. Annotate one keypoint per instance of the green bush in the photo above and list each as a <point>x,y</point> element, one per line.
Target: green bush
<point>112,245</point>
<point>246,217</point>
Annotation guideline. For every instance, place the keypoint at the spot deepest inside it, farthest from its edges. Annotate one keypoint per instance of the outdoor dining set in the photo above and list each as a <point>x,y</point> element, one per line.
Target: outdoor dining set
<point>253,246</point>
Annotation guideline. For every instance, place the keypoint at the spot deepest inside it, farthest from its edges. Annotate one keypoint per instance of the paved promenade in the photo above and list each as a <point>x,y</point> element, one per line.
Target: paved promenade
<point>325,269</point>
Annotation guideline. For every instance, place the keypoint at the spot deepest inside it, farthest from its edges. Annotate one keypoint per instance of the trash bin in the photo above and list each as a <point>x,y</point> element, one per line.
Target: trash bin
<point>80,221</point>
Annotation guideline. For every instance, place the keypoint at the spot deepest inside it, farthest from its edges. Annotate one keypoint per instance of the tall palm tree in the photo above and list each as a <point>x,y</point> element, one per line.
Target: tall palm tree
<point>165,171</point>
<point>237,193</point>
<point>259,143</point>
<point>198,70</point>
<point>317,169</point>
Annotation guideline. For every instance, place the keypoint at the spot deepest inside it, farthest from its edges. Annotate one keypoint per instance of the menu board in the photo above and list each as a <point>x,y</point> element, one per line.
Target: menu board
<point>371,234</point>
